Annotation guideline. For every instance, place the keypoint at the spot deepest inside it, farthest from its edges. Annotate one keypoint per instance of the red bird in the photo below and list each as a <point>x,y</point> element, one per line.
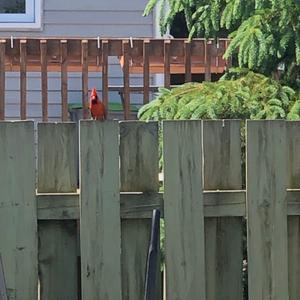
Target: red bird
<point>97,107</point>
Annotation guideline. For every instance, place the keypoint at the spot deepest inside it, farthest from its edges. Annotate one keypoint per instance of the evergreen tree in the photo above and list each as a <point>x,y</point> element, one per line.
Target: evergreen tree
<point>246,95</point>
<point>264,33</point>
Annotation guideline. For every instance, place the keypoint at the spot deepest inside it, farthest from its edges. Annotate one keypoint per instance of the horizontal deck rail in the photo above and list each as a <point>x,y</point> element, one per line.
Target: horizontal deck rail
<point>136,56</point>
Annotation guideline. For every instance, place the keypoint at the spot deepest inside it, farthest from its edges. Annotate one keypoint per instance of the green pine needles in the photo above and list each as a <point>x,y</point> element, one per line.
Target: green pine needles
<point>264,33</point>
<point>246,95</point>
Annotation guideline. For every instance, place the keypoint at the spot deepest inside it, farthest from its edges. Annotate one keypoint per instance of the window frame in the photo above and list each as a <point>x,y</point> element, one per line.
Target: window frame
<point>31,20</point>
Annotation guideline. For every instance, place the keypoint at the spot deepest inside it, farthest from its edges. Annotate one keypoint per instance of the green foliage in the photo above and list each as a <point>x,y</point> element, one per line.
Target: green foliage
<point>264,33</point>
<point>247,95</point>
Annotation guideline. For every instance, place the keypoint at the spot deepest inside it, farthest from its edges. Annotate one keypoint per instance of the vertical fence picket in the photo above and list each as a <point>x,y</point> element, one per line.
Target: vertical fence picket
<point>126,78</point>
<point>188,61</point>
<point>224,236</point>
<point>64,79</point>
<point>146,70</point>
<point>167,64</point>
<point>293,145</point>
<point>100,230</point>
<point>267,210</point>
<point>2,80</point>
<point>105,72</point>
<point>183,209</point>
<point>208,50</point>
<point>44,79</point>
<point>57,161</point>
<point>139,173</point>
<point>18,213</point>
<point>85,77</point>
<point>23,79</point>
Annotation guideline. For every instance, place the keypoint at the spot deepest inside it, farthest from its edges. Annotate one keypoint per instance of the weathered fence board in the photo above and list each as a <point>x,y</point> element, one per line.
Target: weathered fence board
<point>267,210</point>
<point>139,173</point>
<point>57,161</point>
<point>58,260</point>
<point>223,236</point>
<point>100,229</point>
<point>203,204</point>
<point>184,217</point>
<point>18,213</point>
<point>293,167</point>
<point>57,157</point>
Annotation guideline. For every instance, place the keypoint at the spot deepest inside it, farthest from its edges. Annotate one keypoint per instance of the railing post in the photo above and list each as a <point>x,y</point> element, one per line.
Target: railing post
<point>64,79</point>
<point>2,79</point>
<point>44,79</point>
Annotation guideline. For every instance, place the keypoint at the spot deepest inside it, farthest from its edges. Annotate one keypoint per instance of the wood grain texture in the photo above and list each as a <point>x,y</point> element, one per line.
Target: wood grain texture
<point>57,161</point>
<point>64,80</point>
<point>58,260</point>
<point>23,79</point>
<point>139,168</point>
<point>105,72</point>
<point>139,173</point>
<point>184,216</point>
<point>85,77</point>
<point>3,289</point>
<point>222,155</point>
<point>100,229</point>
<point>187,61</point>
<point>146,78</point>
<point>18,213</point>
<point>44,79</point>
<point>167,65</point>
<point>2,80</point>
<point>57,157</point>
<point>126,79</point>
<point>208,50</point>
<point>267,210</point>
<point>293,182</point>
<point>224,239</point>
<point>141,205</point>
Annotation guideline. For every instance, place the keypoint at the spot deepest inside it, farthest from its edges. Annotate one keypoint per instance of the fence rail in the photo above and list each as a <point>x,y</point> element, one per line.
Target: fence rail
<point>136,56</point>
<point>204,205</point>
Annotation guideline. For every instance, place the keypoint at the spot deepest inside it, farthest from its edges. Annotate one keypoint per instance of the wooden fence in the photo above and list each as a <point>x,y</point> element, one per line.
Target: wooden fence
<point>136,56</point>
<point>203,206</point>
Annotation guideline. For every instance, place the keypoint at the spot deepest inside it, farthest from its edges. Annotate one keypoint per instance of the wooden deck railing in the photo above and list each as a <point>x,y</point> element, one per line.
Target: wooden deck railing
<point>136,56</point>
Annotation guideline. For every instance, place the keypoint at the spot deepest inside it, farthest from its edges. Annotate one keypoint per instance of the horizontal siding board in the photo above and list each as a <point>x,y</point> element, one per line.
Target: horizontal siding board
<point>101,30</point>
<point>74,84</point>
<point>96,17</point>
<point>54,97</point>
<point>71,30</point>
<point>111,5</point>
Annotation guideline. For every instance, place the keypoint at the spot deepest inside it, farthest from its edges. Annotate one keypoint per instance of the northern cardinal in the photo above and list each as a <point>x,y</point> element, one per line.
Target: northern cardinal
<point>97,108</point>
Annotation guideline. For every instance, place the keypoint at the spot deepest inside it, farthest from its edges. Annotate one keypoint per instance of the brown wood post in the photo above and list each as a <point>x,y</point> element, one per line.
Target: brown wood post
<point>44,79</point>
<point>167,75</point>
<point>188,60</point>
<point>64,79</point>
<point>126,78</point>
<point>208,46</point>
<point>85,77</point>
<point>2,79</point>
<point>105,73</point>
<point>23,79</point>
<point>146,70</point>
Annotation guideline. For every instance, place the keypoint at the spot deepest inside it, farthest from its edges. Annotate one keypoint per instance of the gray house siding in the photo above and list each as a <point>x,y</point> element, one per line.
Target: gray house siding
<point>77,18</point>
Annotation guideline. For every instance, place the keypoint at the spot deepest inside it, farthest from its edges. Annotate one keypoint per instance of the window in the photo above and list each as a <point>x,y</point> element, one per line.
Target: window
<point>20,14</point>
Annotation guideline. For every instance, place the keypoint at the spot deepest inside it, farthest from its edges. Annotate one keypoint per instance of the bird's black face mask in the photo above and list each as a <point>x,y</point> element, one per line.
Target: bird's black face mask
<point>94,101</point>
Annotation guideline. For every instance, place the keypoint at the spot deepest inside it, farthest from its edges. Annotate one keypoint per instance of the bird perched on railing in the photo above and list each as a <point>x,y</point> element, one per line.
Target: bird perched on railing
<point>97,107</point>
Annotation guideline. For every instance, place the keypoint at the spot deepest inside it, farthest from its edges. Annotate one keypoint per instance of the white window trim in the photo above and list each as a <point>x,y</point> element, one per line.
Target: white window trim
<point>31,20</point>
